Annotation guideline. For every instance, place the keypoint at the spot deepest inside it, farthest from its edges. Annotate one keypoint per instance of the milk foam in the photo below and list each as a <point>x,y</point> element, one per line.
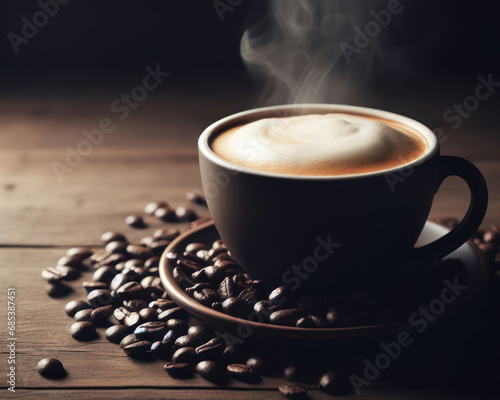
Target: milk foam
<point>315,144</point>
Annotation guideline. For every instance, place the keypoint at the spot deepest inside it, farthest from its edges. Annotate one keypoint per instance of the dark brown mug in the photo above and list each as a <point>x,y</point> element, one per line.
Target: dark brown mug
<point>324,233</point>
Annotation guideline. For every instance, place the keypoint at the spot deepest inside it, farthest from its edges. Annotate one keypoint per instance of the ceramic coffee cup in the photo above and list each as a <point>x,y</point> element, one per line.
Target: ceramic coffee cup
<point>328,233</point>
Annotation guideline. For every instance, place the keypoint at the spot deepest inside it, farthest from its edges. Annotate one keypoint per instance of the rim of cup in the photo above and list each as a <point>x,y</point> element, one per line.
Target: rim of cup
<point>267,112</point>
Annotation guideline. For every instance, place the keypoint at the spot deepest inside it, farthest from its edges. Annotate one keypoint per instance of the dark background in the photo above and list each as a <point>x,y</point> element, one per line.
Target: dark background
<point>105,42</point>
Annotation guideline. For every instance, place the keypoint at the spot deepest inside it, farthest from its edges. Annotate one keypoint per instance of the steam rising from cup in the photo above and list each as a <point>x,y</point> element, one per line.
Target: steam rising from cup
<point>296,49</point>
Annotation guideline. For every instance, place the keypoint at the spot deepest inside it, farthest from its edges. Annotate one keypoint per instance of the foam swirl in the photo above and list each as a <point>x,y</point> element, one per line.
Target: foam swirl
<point>329,144</point>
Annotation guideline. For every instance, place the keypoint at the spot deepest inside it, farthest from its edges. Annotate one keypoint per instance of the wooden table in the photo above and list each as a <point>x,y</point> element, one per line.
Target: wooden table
<point>151,155</point>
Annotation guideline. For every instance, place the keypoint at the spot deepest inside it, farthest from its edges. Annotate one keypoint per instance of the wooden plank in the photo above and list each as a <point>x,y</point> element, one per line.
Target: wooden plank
<point>189,394</point>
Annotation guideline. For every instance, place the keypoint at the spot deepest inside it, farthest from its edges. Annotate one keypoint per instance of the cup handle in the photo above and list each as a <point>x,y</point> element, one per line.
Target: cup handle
<point>456,166</point>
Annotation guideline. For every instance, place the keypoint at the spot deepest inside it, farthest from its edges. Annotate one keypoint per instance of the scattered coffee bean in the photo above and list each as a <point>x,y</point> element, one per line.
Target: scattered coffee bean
<point>257,364</point>
<point>104,274</point>
<point>293,391</point>
<point>236,307</point>
<point>116,247</point>
<point>51,368</point>
<point>71,261</point>
<point>152,331</point>
<point>211,371</point>
<point>166,214</point>
<point>148,314</point>
<point>335,383</point>
<point>81,252</point>
<point>84,315</point>
<point>99,298</point>
<point>83,331</point>
<point>185,214</point>
<point>159,246</point>
<point>138,251</point>
<point>176,312</point>
<point>101,314</point>
<point>90,286</point>
<point>131,290</point>
<point>152,262</point>
<point>111,236</point>
<point>212,350</point>
<point>74,306</point>
<point>178,370</point>
<point>166,234</point>
<point>116,333</point>
<point>153,206</point>
<point>240,371</point>
<point>185,355</point>
<point>178,326</point>
<point>286,317</point>
<point>129,339</point>
<point>54,274</point>
<point>137,349</point>
<point>196,199</point>
<point>135,221</point>
<point>160,349</point>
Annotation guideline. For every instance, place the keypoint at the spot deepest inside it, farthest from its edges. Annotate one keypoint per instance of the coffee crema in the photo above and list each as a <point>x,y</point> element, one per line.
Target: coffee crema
<point>320,144</point>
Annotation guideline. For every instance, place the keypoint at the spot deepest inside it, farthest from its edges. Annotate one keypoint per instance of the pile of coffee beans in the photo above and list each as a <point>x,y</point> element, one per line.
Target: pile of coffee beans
<point>126,292</point>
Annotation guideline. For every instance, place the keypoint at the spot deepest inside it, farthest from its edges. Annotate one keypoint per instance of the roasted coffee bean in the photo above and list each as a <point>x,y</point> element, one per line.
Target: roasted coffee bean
<point>200,334</point>
<point>166,234</point>
<point>98,258</point>
<point>288,317</point>
<point>293,391</point>
<point>136,305</point>
<point>131,290</point>
<point>170,338</point>
<point>146,241</point>
<point>183,341</point>
<point>148,314</point>
<point>120,313</point>
<point>74,306</point>
<point>129,339</point>
<point>185,355</point>
<point>175,312</point>
<point>257,364</point>
<point>153,206</point>
<point>57,289</point>
<point>227,288</point>
<point>159,246</point>
<point>305,322</point>
<point>122,278</point>
<point>90,286</point>
<point>166,214</point>
<point>178,370</point>
<point>217,306</point>
<point>152,262</point>
<point>70,272</point>
<point>101,314</point>
<point>211,371</point>
<point>194,247</point>
<point>83,331</point>
<point>202,254</point>
<point>335,383</point>
<point>196,199</point>
<point>249,296</point>
<point>116,333</point>
<point>197,287</point>
<point>218,243</point>
<point>153,330</point>
<point>162,304</point>
<point>80,252</point>
<point>111,236</point>
<point>185,214</point>
<point>71,261</point>
<point>160,349</point>
<point>151,281</point>
<point>240,371</point>
<point>135,221</point>
<point>137,349</point>
<point>318,321</point>
<point>199,276</point>
<point>117,247</point>
<point>51,368</point>
<point>104,274</point>
<point>134,262</point>
<point>132,320</point>
<point>489,249</point>
<point>54,274</point>
<point>138,251</point>
<point>236,307</point>
<point>182,279</point>
<point>281,295</point>
<point>211,350</point>
<point>113,259</point>
<point>84,315</point>
<point>178,326</point>
<point>99,298</point>
<point>266,307</point>
<point>206,296</point>
<point>215,252</point>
